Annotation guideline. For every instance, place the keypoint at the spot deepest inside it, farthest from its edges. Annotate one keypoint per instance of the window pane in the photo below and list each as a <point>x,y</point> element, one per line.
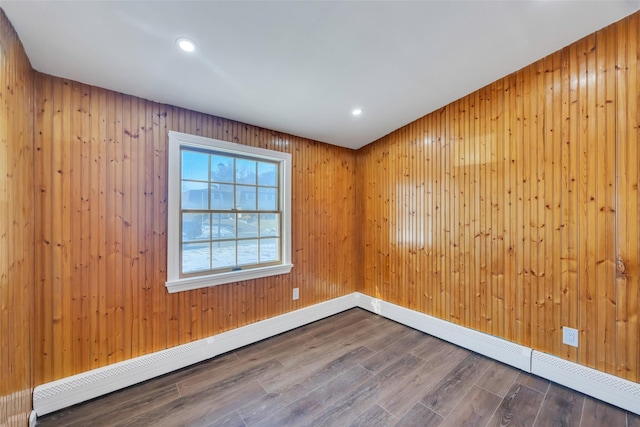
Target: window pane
<point>247,252</point>
<point>269,250</point>
<point>267,199</point>
<point>221,169</point>
<point>247,225</point>
<point>195,226</point>
<point>269,225</point>
<point>195,195</point>
<point>195,165</point>
<point>267,174</point>
<point>222,196</point>
<point>224,254</point>
<point>245,172</point>
<point>223,226</point>
<point>245,198</point>
<point>196,257</point>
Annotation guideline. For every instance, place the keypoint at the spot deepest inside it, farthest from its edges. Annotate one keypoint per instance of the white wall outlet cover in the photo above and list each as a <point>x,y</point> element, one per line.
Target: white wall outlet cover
<point>569,336</point>
<point>296,293</point>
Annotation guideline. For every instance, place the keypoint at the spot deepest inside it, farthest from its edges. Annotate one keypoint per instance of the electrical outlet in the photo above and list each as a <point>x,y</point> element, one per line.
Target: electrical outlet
<point>296,293</point>
<point>570,336</point>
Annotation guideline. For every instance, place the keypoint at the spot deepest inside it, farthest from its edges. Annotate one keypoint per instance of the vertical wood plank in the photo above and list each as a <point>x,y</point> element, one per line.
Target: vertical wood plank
<point>518,220</point>
<point>568,224</point>
<point>587,140</point>
<point>538,179</point>
<point>474,303</point>
<point>510,211</point>
<point>483,221</point>
<point>499,254</point>
<point>129,289</point>
<point>44,262</point>
<point>466,232</point>
<point>623,245</point>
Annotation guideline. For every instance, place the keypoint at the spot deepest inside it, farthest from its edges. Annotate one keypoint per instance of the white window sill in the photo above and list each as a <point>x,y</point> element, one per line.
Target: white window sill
<point>190,283</point>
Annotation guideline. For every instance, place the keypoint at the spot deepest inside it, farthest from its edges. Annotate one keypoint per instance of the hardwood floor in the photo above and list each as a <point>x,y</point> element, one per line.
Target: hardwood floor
<point>352,369</point>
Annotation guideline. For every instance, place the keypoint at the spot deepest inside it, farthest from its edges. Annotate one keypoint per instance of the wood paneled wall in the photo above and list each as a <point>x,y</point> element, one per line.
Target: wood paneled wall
<point>514,210</point>
<point>101,217</point>
<point>16,227</point>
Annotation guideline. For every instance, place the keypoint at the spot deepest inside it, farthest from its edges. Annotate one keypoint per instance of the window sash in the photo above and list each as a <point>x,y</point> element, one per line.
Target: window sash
<point>233,236</point>
<point>270,265</point>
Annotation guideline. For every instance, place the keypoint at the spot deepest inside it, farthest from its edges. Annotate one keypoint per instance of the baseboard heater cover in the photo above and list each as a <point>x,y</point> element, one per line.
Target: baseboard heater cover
<point>487,345</point>
<point>608,388</point>
<point>78,388</point>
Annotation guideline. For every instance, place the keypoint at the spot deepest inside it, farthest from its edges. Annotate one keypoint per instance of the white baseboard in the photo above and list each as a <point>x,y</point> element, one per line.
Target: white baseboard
<point>487,345</point>
<point>608,388</point>
<point>69,391</point>
<point>78,388</point>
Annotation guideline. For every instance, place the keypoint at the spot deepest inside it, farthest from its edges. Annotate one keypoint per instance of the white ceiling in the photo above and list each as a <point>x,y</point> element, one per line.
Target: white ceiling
<point>301,66</point>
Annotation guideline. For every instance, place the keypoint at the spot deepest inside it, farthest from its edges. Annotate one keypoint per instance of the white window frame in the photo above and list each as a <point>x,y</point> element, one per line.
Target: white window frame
<point>174,282</point>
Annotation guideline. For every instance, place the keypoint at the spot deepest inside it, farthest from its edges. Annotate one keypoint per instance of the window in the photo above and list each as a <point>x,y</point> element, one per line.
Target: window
<point>229,212</point>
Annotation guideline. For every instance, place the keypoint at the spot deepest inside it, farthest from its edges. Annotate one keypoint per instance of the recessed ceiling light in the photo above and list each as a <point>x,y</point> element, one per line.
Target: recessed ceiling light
<point>356,112</point>
<point>186,44</point>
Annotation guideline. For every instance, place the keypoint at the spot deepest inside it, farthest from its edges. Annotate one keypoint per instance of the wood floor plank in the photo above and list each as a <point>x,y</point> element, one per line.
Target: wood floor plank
<point>285,379</point>
<point>519,408</point>
<point>319,399</point>
<point>407,340</point>
<point>596,414</point>
<point>396,374</point>
<point>385,337</point>
<point>373,325</point>
<point>533,381</point>
<point>432,347</point>
<point>281,344</point>
<point>329,350</point>
<point>218,362</point>
<point>203,407</point>
<point>498,378</point>
<point>561,407</point>
<point>475,409</point>
<point>285,385</point>
<point>337,323</point>
<point>146,402</point>
<point>406,393</point>
<point>420,416</point>
<point>349,407</point>
<point>375,416</point>
<point>226,376</point>
<point>364,330</point>
<point>231,420</point>
<point>446,358</point>
<point>447,393</point>
<point>101,415</point>
<point>263,407</point>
